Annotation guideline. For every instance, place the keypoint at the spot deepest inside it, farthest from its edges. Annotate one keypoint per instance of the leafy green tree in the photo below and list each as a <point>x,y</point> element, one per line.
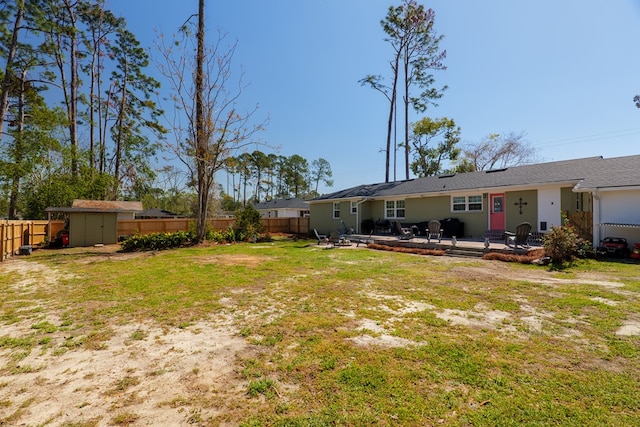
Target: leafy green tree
<point>244,170</point>
<point>259,164</point>
<point>434,142</point>
<point>421,54</point>
<point>135,113</point>
<point>296,176</point>
<point>101,25</point>
<point>415,44</point>
<point>321,172</point>
<point>31,131</point>
<point>59,25</point>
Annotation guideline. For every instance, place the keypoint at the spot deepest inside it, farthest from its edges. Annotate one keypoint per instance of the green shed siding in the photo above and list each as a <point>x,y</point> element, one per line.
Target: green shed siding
<point>88,229</point>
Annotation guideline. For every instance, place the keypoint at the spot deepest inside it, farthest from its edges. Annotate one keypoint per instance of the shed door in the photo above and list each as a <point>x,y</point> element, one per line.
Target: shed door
<point>88,229</point>
<point>94,229</point>
<point>496,220</point>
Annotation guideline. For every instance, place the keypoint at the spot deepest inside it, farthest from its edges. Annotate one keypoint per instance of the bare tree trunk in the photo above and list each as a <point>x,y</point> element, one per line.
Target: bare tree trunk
<point>394,90</point>
<point>119,141</point>
<point>201,142</point>
<point>407,82</point>
<point>8,73</point>
<point>73,105</point>
<point>19,148</point>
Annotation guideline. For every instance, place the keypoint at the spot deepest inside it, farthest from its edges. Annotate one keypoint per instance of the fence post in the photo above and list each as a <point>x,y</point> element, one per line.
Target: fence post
<point>2,231</point>
<point>13,239</point>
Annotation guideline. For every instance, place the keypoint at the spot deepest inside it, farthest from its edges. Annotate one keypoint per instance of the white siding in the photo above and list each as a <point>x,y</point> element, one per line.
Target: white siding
<point>549,207</point>
<point>620,207</point>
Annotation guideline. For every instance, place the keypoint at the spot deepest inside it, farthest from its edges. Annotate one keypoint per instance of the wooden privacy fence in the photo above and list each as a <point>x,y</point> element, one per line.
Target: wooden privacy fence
<point>147,226</point>
<point>14,234</point>
<point>583,224</point>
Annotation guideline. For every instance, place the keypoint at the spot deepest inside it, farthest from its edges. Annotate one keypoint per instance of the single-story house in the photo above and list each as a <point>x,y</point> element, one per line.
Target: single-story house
<point>157,213</point>
<point>602,193</point>
<point>92,222</point>
<point>283,208</point>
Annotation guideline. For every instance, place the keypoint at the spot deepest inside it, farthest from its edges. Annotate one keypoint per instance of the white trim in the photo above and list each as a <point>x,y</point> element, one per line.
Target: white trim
<point>395,208</point>
<point>333,210</point>
<point>467,203</point>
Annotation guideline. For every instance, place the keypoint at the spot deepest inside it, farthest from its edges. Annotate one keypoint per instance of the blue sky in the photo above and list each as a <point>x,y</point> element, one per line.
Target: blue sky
<point>563,72</point>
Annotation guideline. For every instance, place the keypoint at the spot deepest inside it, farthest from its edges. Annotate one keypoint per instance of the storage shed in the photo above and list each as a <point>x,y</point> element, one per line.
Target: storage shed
<point>93,222</point>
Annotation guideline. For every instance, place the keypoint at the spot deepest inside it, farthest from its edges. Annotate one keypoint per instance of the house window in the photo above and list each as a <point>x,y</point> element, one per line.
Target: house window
<point>354,208</point>
<point>466,203</point>
<point>336,210</point>
<point>394,209</point>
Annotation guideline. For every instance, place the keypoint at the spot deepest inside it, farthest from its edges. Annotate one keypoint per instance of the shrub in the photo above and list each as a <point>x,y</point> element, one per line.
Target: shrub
<point>157,241</point>
<point>218,236</point>
<point>561,243</point>
<point>248,225</point>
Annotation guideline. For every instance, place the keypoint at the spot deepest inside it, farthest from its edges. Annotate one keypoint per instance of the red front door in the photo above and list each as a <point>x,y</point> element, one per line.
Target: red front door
<point>496,216</point>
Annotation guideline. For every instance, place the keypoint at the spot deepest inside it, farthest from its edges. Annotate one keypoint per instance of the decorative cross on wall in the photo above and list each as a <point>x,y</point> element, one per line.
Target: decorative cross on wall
<point>520,203</point>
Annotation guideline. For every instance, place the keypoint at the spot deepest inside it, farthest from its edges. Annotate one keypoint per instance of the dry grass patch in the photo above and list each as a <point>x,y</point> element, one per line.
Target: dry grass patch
<point>286,334</point>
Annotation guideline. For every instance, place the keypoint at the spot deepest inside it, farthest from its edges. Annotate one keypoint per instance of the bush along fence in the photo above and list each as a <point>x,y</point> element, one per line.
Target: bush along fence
<point>147,226</point>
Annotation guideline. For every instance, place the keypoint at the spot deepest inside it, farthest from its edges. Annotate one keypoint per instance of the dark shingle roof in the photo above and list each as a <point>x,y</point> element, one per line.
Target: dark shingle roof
<point>586,173</point>
<point>295,203</point>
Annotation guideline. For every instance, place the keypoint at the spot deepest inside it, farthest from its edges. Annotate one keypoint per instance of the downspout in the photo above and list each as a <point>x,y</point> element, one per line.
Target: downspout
<point>596,218</point>
<point>358,215</point>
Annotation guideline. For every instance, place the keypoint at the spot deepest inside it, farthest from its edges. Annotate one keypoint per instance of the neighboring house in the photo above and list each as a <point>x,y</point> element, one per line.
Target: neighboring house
<point>283,208</point>
<point>603,192</point>
<point>156,213</point>
<point>92,222</point>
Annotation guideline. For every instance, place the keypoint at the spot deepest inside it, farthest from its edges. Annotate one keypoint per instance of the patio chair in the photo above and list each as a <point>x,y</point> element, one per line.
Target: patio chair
<point>322,238</point>
<point>345,230</point>
<point>338,239</point>
<point>434,230</point>
<point>402,233</point>
<point>520,237</point>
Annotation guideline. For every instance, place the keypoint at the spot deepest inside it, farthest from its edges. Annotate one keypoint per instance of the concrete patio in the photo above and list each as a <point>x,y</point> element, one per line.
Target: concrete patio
<point>461,248</point>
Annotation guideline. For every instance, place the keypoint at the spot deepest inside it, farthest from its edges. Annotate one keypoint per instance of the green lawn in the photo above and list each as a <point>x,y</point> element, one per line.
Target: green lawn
<point>338,336</point>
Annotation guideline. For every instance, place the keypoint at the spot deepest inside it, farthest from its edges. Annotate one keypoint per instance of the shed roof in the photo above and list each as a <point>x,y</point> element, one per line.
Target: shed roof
<point>97,206</point>
<point>121,206</point>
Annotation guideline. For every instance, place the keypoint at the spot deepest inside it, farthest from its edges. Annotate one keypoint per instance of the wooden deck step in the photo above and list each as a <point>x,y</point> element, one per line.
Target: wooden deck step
<point>462,252</point>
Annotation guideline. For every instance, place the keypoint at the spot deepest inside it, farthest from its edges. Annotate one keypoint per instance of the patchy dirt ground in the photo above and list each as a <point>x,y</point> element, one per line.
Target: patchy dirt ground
<point>145,375</point>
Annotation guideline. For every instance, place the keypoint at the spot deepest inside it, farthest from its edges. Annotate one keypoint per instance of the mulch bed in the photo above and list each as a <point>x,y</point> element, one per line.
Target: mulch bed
<point>527,258</point>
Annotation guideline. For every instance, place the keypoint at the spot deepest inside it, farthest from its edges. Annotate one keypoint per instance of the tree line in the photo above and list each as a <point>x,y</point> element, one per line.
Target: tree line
<point>77,112</point>
<point>256,177</point>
